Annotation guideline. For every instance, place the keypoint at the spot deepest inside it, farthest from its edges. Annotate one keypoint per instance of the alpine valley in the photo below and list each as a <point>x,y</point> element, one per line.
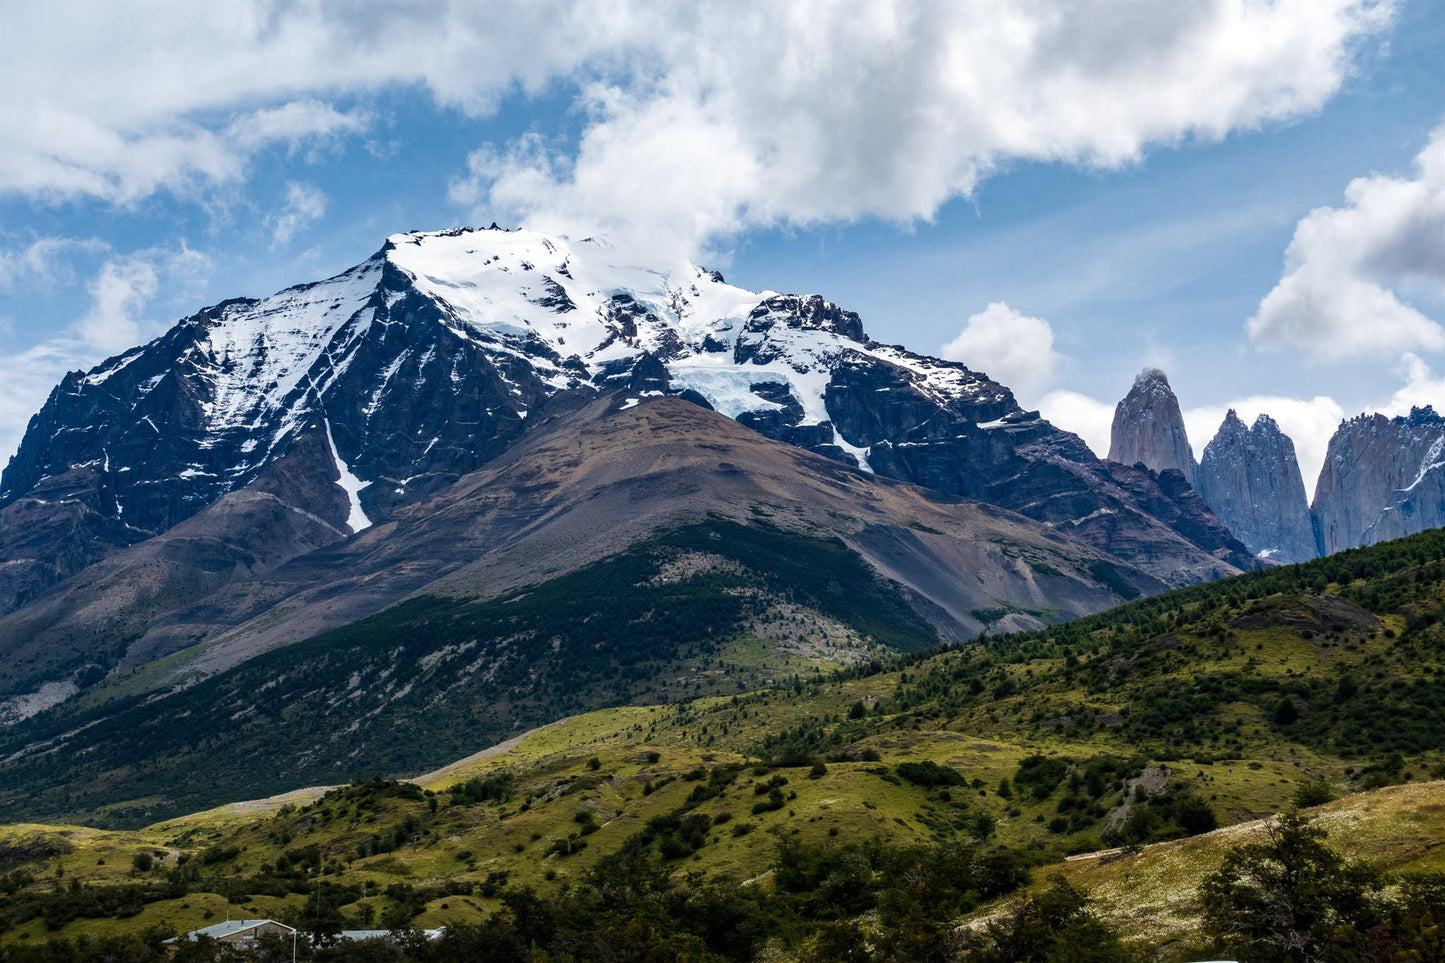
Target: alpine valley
<point>616,555</point>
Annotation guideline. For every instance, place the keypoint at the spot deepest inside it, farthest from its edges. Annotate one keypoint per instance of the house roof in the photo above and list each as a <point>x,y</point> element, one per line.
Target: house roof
<point>360,935</point>
<point>228,928</point>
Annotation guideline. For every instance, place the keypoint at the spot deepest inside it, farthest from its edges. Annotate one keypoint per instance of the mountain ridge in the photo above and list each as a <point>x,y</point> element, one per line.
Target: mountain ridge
<point>423,362</point>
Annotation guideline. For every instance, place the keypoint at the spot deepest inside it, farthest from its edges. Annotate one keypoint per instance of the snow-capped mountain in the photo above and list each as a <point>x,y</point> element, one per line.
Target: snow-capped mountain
<point>350,396</point>
<point>1383,478</point>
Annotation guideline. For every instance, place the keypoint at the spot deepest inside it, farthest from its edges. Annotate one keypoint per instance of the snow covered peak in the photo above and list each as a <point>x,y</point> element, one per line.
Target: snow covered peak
<point>424,361</point>
<point>575,297</point>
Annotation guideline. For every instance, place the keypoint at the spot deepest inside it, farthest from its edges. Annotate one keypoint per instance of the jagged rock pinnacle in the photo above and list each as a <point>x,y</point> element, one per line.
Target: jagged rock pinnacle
<point>1149,428</point>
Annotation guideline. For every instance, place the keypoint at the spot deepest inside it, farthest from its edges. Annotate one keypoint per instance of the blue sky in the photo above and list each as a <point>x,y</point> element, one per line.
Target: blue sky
<point>1061,194</point>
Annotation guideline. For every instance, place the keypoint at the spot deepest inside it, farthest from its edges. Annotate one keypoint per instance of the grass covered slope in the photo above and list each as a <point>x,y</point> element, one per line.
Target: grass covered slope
<point>1148,724</point>
<point>717,607</point>
<point>1154,893</point>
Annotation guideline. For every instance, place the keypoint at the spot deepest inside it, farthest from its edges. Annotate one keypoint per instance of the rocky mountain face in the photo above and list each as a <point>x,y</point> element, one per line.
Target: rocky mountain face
<point>390,381</point>
<point>1382,478</point>
<point>624,549</point>
<point>1148,428</point>
<point>1250,477</point>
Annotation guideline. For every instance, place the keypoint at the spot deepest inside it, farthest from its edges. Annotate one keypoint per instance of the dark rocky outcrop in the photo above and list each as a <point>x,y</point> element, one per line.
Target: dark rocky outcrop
<point>1148,428</point>
<point>1251,479</point>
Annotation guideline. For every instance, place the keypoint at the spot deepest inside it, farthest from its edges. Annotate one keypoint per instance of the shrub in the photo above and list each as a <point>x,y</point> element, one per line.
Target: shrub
<point>929,774</point>
<point>1315,793</point>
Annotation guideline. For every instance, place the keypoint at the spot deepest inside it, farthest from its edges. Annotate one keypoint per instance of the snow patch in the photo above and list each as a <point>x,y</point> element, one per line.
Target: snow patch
<point>1429,463</point>
<point>350,484</point>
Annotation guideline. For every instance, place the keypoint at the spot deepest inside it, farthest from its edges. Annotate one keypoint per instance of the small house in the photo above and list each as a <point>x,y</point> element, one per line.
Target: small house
<point>241,934</point>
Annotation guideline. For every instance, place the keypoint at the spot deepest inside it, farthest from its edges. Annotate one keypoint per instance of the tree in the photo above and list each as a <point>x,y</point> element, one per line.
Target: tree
<point>1053,926</point>
<point>1194,815</point>
<point>322,919</point>
<point>1291,897</point>
<point>1419,920</point>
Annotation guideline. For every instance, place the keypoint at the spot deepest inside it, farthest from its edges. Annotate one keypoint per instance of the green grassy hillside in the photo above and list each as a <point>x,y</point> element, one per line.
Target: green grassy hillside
<point>1141,727</point>
<point>718,607</point>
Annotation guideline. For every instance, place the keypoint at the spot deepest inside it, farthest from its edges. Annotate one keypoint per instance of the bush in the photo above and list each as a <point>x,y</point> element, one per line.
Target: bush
<point>1195,816</point>
<point>1315,793</point>
<point>1040,775</point>
<point>494,787</point>
<point>930,774</point>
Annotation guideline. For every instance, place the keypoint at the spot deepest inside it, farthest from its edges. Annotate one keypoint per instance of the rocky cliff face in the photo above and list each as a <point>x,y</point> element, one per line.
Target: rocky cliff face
<point>1251,479</point>
<point>1383,478</point>
<point>1148,428</point>
<point>391,380</point>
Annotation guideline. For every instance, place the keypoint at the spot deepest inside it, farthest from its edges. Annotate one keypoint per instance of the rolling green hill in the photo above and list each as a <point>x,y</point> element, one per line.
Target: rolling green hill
<point>1140,727</point>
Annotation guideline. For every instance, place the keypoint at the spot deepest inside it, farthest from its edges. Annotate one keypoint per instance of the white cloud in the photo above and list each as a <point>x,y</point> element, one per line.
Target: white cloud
<point>814,112</point>
<point>305,204</point>
<point>194,89</point>
<point>1089,418</point>
<point>1338,296</point>
<point>118,294</point>
<point>294,124</point>
<point>1421,388</point>
<point>43,260</point>
<point>699,118</point>
<point>1012,348</point>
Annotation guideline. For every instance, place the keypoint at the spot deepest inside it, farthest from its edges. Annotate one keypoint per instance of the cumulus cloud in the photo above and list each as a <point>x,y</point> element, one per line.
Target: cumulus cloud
<point>305,204</point>
<point>1089,418</point>
<point>699,119</point>
<point>118,295</point>
<point>1012,348</point>
<point>295,123</point>
<point>817,112</point>
<point>1346,266</point>
<point>1422,388</point>
<point>196,89</point>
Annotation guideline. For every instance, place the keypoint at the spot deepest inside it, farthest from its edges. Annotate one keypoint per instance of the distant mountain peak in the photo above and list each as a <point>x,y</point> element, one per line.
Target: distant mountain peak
<point>1148,427</point>
<point>1382,478</point>
<point>1250,476</point>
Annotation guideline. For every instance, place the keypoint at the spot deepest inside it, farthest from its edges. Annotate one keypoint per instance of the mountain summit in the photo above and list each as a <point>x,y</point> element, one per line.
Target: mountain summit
<point>348,397</point>
<point>1382,478</point>
<point>1251,478</point>
<point>1148,428</point>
